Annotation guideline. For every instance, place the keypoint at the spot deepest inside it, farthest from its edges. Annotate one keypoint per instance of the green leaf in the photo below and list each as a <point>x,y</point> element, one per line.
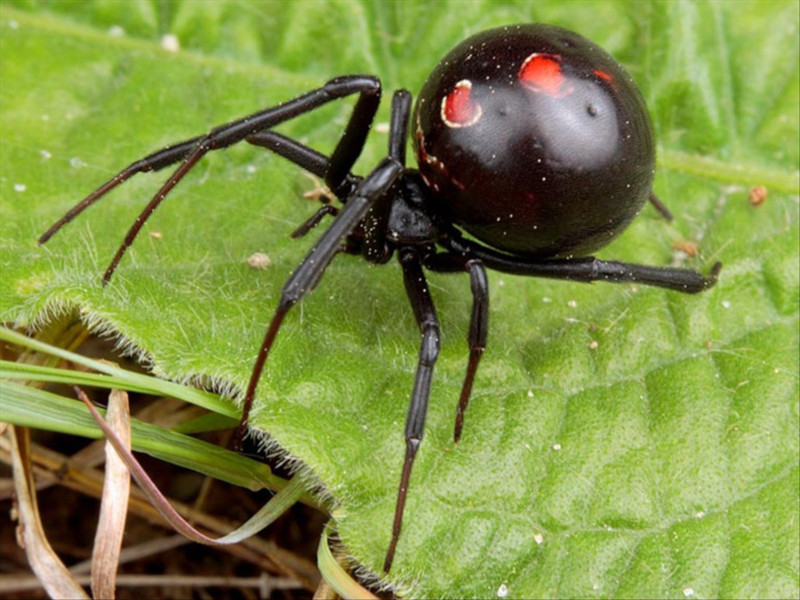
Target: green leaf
<point>660,461</point>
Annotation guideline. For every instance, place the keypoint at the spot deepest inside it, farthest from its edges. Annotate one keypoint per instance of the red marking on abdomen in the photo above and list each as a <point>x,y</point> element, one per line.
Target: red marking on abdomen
<point>458,108</point>
<point>603,75</point>
<point>542,73</point>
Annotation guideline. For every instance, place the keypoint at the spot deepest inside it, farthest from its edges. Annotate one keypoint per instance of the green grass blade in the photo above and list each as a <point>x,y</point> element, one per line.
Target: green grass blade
<point>30,407</point>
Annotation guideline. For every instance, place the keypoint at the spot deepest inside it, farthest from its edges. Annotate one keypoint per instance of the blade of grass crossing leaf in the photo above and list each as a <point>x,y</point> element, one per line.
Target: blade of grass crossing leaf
<point>144,383</point>
<point>28,372</point>
<point>203,423</point>
<point>339,579</point>
<point>23,405</point>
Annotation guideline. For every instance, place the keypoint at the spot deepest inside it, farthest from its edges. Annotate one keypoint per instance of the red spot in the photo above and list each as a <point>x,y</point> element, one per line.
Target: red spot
<point>542,73</point>
<point>458,108</point>
<point>603,75</point>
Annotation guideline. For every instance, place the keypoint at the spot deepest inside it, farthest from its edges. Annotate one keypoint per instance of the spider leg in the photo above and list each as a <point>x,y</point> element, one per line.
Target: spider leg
<point>301,155</point>
<point>476,338</point>
<point>314,220</point>
<point>350,145</point>
<point>398,127</point>
<point>317,164</point>
<point>425,313</point>
<point>585,269</point>
<point>308,274</point>
<point>659,206</point>
<point>376,223</point>
<point>479,322</point>
<point>369,192</point>
<point>191,151</point>
<point>306,158</point>
<point>152,162</point>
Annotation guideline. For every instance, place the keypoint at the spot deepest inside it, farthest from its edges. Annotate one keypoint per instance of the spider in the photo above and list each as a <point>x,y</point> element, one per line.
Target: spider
<point>534,149</point>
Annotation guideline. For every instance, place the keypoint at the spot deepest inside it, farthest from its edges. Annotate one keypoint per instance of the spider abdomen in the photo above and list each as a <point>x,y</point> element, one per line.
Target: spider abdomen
<point>535,141</point>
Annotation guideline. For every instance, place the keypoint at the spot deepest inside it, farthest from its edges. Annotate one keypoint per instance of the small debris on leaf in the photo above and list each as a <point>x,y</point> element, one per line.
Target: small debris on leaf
<point>757,195</point>
<point>258,260</point>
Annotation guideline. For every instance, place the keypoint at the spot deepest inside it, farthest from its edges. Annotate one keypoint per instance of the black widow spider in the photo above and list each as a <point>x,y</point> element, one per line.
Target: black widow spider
<point>530,138</point>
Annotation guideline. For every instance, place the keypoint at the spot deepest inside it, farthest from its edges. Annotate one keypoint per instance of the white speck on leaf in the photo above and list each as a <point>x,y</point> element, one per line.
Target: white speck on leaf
<point>259,260</point>
<point>170,43</point>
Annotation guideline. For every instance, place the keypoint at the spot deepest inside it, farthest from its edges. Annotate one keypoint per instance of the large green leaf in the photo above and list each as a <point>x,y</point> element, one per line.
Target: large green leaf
<point>660,461</point>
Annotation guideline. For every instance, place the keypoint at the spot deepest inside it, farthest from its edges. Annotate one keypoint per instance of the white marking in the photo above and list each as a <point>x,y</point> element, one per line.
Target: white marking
<point>170,42</point>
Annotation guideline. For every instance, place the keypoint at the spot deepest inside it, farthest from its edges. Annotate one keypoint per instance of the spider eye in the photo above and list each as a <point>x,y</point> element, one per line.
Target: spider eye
<point>542,73</point>
<point>458,107</point>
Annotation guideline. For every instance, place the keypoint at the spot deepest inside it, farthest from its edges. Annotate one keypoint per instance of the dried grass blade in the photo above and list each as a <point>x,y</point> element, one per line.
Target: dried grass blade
<point>114,503</point>
<point>51,572</point>
<point>277,505</point>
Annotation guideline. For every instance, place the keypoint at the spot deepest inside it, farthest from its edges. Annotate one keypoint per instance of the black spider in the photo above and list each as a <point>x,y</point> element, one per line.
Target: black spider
<point>529,138</point>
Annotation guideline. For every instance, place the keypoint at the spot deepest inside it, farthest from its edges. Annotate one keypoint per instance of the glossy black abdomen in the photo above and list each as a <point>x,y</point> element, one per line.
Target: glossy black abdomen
<point>535,141</point>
